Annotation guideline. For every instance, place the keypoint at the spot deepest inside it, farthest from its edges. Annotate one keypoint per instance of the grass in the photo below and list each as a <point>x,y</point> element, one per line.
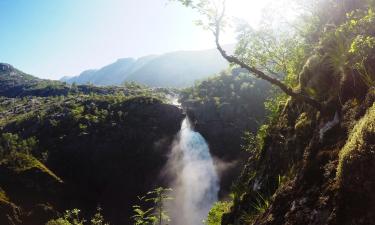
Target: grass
<point>261,204</point>
<point>21,162</point>
<point>356,143</point>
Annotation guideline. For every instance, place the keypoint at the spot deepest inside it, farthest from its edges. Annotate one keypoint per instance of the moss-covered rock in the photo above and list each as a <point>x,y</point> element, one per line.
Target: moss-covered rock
<point>355,174</point>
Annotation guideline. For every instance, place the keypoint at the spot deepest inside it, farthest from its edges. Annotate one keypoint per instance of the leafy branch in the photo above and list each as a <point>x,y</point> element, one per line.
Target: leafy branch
<point>215,20</point>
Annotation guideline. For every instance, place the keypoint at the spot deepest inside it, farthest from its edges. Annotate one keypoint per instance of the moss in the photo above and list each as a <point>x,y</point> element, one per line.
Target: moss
<point>59,221</point>
<point>302,122</point>
<point>3,197</point>
<point>216,212</point>
<point>20,162</point>
<point>356,144</point>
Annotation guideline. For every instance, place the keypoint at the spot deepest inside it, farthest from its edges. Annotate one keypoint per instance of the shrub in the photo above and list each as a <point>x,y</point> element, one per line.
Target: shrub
<point>216,212</point>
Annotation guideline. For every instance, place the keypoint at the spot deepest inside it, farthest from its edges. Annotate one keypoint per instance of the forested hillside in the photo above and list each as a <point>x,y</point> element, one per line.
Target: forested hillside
<point>225,108</point>
<point>82,146</point>
<point>81,152</point>
<point>284,136</point>
<point>64,147</point>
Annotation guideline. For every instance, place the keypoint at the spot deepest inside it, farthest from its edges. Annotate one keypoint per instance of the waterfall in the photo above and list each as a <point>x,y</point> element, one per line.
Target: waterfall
<point>195,180</point>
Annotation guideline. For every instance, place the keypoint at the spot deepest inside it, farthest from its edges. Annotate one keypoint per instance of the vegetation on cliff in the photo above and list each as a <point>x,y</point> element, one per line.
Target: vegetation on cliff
<point>308,144</point>
<point>222,108</point>
<point>80,151</point>
<point>309,164</point>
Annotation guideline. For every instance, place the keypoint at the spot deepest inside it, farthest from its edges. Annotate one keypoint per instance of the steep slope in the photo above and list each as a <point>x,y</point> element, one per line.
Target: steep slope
<point>81,152</point>
<point>314,166</point>
<point>15,83</point>
<point>113,74</point>
<point>176,69</point>
<point>222,109</point>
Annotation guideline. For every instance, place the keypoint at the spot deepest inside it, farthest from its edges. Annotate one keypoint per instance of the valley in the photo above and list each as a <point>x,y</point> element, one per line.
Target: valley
<point>278,129</point>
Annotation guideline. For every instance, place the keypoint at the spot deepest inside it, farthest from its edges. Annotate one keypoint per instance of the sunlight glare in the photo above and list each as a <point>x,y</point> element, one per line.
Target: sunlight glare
<point>252,12</point>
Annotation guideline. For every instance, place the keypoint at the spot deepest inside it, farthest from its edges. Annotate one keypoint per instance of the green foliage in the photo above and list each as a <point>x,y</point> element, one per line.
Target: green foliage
<point>134,86</point>
<point>20,162</point>
<point>361,48</point>
<point>13,143</point>
<point>59,221</point>
<point>278,52</point>
<point>253,144</point>
<point>16,154</point>
<point>3,197</point>
<point>216,212</point>
<point>302,122</point>
<point>98,218</point>
<point>261,203</point>
<point>240,187</point>
<point>222,88</point>
<point>72,217</point>
<point>143,217</point>
<point>155,214</point>
<point>348,46</point>
<point>275,104</point>
<point>261,135</point>
<point>245,95</point>
<point>90,136</point>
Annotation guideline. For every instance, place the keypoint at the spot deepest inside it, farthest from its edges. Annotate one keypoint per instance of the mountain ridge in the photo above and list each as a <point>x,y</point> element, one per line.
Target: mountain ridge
<point>173,69</point>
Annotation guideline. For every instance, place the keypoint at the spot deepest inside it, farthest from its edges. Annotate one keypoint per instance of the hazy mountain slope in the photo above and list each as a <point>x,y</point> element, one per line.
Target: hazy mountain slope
<point>108,75</point>
<point>176,69</point>
<point>15,83</point>
<point>179,69</point>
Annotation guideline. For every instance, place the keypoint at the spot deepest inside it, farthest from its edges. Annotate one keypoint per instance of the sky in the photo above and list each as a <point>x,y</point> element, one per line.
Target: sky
<point>56,38</point>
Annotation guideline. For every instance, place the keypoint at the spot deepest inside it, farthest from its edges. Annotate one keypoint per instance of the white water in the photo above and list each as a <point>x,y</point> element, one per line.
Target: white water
<point>196,182</point>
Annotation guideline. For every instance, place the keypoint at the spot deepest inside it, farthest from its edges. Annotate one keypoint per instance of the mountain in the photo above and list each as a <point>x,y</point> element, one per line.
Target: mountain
<point>113,74</point>
<point>176,69</point>
<point>14,82</point>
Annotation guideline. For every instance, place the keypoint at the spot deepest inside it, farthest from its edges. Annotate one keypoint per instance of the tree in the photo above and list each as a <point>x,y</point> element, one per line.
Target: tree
<point>72,217</point>
<point>215,20</point>
<point>155,214</point>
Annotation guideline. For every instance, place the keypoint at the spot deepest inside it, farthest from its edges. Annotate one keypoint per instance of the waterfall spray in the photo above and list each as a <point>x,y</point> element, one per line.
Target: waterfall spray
<point>195,182</point>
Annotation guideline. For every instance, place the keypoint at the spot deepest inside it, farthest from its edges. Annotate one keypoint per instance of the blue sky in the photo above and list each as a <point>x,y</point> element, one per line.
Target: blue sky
<point>54,38</point>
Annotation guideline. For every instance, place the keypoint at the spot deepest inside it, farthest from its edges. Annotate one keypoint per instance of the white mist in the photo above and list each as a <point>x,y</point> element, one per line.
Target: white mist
<point>195,180</point>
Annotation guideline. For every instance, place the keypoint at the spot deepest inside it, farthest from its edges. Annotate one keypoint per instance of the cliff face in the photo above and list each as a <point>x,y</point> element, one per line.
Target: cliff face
<point>310,180</point>
<point>222,109</point>
<point>314,167</point>
<point>81,152</point>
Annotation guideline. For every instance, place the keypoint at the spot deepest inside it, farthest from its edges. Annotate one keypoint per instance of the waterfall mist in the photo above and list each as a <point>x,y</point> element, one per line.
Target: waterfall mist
<point>195,180</point>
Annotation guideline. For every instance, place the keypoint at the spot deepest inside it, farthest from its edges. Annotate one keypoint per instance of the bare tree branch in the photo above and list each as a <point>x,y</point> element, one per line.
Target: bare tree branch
<point>260,74</point>
<point>215,22</point>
